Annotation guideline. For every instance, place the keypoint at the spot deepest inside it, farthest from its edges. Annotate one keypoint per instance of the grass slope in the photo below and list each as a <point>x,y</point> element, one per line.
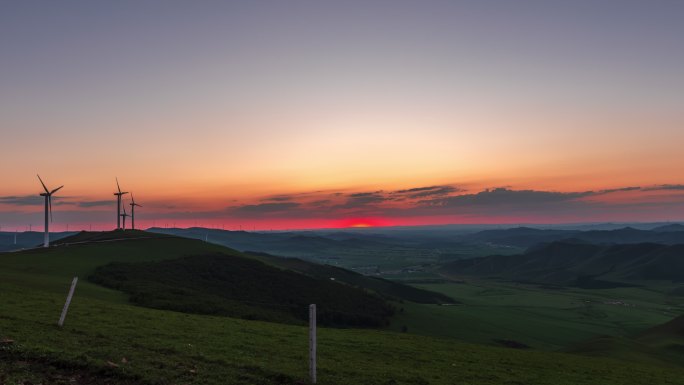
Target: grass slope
<point>106,340</point>
<point>105,236</point>
<point>223,284</point>
<point>543,318</point>
<point>660,345</point>
<point>111,342</point>
<point>388,289</point>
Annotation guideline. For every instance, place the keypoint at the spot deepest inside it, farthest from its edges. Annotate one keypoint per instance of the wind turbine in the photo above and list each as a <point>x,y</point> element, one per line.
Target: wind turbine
<point>133,205</point>
<point>48,209</point>
<point>124,215</point>
<point>118,204</point>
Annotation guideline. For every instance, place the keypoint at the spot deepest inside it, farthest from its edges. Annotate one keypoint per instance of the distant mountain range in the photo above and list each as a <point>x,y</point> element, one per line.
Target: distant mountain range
<point>322,242</point>
<point>526,236</point>
<point>580,264</point>
<point>27,239</point>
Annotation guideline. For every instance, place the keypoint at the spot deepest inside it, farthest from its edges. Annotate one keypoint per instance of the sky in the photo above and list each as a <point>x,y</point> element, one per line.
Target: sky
<point>308,114</point>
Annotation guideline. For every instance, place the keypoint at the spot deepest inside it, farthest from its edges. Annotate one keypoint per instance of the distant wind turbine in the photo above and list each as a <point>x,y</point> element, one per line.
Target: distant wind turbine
<point>48,209</point>
<point>124,215</point>
<point>118,204</point>
<point>133,205</point>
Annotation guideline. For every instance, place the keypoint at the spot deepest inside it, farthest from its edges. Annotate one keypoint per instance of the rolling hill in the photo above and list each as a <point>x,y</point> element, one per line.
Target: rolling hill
<point>367,252</point>
<point>199,277</point>
<point>221,284</point>
<point>662,344</point>
<point>526,236</point>
<point>107,340</point>
<point>575,263</point>
<point>387,289</point>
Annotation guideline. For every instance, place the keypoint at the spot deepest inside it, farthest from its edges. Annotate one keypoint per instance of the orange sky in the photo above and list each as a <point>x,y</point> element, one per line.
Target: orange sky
<point>205,112</point>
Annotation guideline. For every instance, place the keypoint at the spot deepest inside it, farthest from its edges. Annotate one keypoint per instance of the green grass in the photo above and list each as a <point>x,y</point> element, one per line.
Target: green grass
<point>235,286</point>
<point>542,318</point>
<point>169,347</point>
<point>165,347</point>
<point>49,269</point>
<point>385,288</point>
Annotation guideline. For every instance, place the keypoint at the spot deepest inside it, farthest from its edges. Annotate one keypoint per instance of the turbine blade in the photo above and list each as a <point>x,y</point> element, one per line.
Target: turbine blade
<point>55,190</point>
<point>41,182</point>
<point>50,204</point>
<point>117,185</point>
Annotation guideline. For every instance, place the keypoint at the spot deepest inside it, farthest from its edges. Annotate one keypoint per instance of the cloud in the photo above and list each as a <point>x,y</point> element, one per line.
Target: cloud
<point>505,196</point>
<point>677,187</point>
<point>362,199</point>
<point>613,190</point>
<point>429,191</point>
<point>425,202</point>
<point>320,203</point>
<point>22,200</point>
<point>278,198</point>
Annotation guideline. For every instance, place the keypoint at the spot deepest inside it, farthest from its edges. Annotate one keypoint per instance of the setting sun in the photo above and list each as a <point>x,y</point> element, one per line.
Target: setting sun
<point>361,225</point>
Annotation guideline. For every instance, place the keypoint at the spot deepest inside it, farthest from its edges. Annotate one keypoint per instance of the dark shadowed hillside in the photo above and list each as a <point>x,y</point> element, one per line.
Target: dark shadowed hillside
<point>241,287</point>
<point>388,289</point>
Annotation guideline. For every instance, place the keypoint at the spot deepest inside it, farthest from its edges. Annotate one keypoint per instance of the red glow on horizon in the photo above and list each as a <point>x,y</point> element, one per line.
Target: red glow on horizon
<point>362,223</point>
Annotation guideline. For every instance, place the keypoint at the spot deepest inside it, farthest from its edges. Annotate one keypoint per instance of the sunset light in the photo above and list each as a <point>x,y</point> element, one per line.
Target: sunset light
<point>342,192</point>
<point>361,118</point>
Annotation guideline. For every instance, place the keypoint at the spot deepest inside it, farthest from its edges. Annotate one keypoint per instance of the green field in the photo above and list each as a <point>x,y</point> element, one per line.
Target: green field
<point>108,341</point>
<point>542,318</point>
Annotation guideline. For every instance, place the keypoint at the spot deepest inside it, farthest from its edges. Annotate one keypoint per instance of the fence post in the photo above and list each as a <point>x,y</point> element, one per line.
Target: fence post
<point>312,342</point>
<point>68,301</point>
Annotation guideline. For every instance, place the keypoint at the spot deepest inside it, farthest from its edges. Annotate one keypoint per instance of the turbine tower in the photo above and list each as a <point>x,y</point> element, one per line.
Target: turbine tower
<point>133,205</point>
<point>124,215</point>
<point>48,209</point>
<point>118,204</point>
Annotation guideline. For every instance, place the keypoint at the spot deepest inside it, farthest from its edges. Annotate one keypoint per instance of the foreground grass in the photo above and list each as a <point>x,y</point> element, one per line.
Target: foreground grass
<point>162,347</point>
<point>108,341</point>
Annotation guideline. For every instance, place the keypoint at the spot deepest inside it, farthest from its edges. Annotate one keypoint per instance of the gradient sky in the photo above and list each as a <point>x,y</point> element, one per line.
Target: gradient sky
<point>287,114</point>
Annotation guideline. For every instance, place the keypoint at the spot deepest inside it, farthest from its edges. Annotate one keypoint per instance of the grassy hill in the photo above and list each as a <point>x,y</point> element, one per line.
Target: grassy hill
<point>105,236</point>
<point>660,345</point>
<point>106,340</point>
<point>388,289</point>
<point>573,263</point>
<point>222,284</point>
<point>167,272</point>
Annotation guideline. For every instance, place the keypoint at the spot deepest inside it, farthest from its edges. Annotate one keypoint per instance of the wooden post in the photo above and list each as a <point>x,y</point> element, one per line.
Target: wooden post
<point>68,301</point>
<point>312,342</point>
